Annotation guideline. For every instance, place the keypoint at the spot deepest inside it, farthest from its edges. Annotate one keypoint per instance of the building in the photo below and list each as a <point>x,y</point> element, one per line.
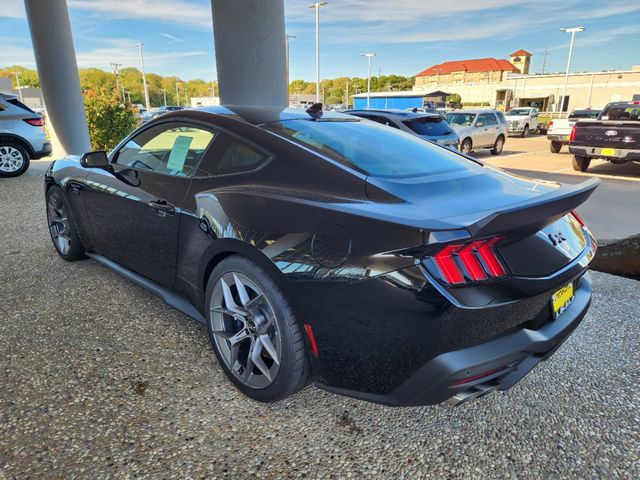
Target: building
<point>204,101</point>
<point>401,100</point>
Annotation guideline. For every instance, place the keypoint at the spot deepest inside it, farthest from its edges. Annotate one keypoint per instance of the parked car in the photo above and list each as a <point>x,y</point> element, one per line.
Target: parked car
<point>520,121</point>
<point>320,247</point>
<point>479,129</point>
<point>22,136</point>
<point>559,130</point>
<point>145,117</point>
<point>427,126</point>
<point>614,136</point>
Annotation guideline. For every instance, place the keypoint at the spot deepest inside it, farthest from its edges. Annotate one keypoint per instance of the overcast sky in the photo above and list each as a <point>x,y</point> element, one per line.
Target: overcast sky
<point>407,35</point>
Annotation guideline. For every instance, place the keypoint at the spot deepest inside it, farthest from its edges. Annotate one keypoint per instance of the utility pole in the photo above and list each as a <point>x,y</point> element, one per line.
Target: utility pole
<point>572,31</point>
<point>164,96</point>
<point>17,74</point>
<point>369,56</point>
<point>178,93</point>
<point>144,78</point>
<point>317,6</point>
<point>116,72</point>
<point>544,59</point>
<point>347,94</point>
<point>289,37</point>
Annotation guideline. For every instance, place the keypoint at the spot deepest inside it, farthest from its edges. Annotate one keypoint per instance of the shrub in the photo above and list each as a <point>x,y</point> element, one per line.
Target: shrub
<point>109,119</point>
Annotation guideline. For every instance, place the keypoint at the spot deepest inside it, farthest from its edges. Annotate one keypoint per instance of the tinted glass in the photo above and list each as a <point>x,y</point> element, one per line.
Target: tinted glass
<point>431,126</point>
<point>629,111</point>
<point>501,117</point>
<point>371,148</point>
<point>460,119</point>
<point>584,114</point>
<point>238,157</point>
<point>520,111</point>
<point>18,103</point>
<point>171,148</point>
<point>379,119</point>
<point>482,119</point>
<point>491,119</point>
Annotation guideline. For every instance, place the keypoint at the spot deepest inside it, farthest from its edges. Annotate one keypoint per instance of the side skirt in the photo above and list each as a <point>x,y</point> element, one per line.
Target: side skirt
<point>176,301</point>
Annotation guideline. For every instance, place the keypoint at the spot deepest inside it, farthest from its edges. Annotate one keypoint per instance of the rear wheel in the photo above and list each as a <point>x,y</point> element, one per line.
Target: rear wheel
<point>525,132</point>
<point>580,164</point>
<point>498,146</point>
<point>465,146</point>
<point>253,331</point>
<point>555,147</point>
<point>14,159</point>
<point>62,227</point>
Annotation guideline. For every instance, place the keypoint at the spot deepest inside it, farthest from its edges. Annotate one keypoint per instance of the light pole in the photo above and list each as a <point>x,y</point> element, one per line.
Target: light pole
<point>116,72</point>
<point>17,74</point>
<point>178,93</point>
<point>144,78</point>
<point>317,6</point>
<point>369,56</point>
<point>164,96</point>
<point>572,31</point>
<point>289,37</point>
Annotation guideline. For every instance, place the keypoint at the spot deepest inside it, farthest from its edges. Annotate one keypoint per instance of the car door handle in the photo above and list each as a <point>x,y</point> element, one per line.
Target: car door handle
<point>162,208</point>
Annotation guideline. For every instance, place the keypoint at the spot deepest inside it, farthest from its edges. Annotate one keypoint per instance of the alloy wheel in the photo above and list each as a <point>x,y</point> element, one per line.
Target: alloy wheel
<point>59,226</point>
<point>245,330</point>
<point>11,159</point>
<point>499,145</point>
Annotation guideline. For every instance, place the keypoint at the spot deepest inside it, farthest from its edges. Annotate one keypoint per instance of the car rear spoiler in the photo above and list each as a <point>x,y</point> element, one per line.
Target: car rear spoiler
<point>535,213</point>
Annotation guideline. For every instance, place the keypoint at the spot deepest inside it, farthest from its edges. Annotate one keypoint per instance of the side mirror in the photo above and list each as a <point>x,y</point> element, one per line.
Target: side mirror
<point>95,160</point>
<point>479,124</point>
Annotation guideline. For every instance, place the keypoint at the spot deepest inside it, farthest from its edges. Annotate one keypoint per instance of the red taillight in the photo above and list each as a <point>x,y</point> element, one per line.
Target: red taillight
<point>550,125</point>
<point>572,137</point>
<point>36,122</point>
<point>474,261</point>
<point>578,218</point>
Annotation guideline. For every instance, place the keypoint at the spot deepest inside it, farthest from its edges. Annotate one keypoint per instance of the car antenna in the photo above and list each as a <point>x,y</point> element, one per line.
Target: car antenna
<point>315,110</point>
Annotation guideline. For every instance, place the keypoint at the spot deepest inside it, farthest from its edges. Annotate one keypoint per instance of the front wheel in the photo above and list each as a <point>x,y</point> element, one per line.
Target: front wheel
<point>62,227</point>
<point>498,146</point>
<point>525,132</point>
<point>555,147</point>
<point>580,164</point>
<point>14,159</point>
<point>465,146</point>
<point>254,332</point>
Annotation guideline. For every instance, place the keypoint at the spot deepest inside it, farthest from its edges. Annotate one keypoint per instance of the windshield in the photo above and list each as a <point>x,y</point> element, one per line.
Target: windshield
<point>371,148</point>
<point>459,119</point>
<point>584,114</point>
<point>519,111</point>
<point>430,126</point>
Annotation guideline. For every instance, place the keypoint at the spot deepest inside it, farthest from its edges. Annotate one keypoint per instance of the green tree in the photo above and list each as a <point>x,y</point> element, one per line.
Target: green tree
<point>108,117</point>
<point>454,98</point>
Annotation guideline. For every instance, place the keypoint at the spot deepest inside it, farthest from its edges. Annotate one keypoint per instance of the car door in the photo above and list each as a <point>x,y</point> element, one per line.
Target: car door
<point>481,135</point>
<point>492,128</point>
<point>134,205</point>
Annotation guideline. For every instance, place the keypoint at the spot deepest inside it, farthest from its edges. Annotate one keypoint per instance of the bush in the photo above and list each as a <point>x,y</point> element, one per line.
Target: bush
<point>454,98</point>
<point>109,119</point>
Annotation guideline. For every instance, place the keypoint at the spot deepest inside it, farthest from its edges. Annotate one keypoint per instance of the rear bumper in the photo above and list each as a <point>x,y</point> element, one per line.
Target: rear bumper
<point>564,139</point>
<point>44,152</point>
<point>495,364</point>
<point>621,154</point>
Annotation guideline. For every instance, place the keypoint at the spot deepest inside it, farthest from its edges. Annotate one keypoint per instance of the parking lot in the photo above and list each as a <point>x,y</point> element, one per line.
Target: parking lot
<point>99,378</point>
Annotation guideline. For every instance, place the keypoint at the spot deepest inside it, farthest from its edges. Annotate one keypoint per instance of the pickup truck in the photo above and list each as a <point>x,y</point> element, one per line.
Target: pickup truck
<point>559,130</point>
<point>520,121</point>
<point>614,136</point>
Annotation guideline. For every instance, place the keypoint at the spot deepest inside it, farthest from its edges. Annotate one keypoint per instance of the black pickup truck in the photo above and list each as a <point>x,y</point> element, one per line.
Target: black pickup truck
<point>614,136</point>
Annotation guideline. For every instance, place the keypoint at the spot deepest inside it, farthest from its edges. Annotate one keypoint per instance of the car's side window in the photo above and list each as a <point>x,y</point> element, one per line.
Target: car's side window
<point>491,119</point>
<point>173,148</point>
<point>231,156</point>
<point>481,120</point>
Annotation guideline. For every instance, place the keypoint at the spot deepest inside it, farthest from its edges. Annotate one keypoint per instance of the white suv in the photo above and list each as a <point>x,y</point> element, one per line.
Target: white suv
<point>479,129</point>
<point>520,121</point>
<point>21,136</point>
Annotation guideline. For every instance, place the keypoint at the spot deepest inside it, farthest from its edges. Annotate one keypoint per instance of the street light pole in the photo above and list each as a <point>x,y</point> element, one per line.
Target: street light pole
<point>317,6</point>
<point>178,93</point>
<point>144,78</point>
<point>17,74</point>
<point>289,37</point>
<point>369,56</point>
<point>164,96</point>
<point>116,72</point>
<point>572,31</point>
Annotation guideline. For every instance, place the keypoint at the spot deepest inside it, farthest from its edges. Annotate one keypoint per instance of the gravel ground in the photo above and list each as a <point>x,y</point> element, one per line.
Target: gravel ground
<point>99,378</point>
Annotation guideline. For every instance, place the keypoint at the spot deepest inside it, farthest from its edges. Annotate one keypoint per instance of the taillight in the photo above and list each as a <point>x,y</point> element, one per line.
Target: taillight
<point>469,262</point>
<point>550,125</point>
<point>578,218</point>
<point>36,122</point>
<point>572,137</point>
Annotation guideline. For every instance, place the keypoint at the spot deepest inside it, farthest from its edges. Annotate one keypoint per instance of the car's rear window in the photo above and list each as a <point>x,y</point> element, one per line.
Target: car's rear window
<point>371,148</point>
<point>432,126</point>
<point>584,114</point>
<point>18,103</point>
<point>629,111</point>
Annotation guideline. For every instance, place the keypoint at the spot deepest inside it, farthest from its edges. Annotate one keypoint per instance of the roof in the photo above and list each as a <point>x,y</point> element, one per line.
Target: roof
<point>520,53</point>
<point>409,93</point>
<point>393,112</point>
<point>470,66</point>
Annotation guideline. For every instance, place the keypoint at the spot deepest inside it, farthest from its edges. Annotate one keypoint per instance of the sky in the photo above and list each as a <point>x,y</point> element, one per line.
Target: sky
<point>406,35</point>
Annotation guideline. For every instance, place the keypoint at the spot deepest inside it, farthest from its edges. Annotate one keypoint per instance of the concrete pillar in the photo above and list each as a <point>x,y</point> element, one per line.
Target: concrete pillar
<point>58,72</point>
<point>250,43</point>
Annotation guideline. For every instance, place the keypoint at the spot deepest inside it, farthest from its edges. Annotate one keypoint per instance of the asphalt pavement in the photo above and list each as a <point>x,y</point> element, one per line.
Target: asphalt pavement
<point>99,378</point>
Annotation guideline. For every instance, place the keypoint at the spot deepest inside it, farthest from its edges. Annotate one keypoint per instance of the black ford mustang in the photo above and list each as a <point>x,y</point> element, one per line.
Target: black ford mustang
<point>331,249</point>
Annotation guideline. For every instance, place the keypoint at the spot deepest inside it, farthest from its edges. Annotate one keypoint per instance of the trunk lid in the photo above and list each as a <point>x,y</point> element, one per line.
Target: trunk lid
<point>610,133</point>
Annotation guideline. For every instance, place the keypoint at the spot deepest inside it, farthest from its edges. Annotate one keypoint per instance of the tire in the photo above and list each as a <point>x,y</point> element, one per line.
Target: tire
<point>581,164</point>
<point>555,147</point>
<point>525,132</point>
<point>466,146</point>
<point>62,226</point>
<point>14,159</point>
<point>237,323</point>
<point>498,146</point>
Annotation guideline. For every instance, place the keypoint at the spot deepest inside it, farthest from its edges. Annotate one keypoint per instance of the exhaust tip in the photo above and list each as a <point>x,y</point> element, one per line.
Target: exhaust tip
<point>473,393</point>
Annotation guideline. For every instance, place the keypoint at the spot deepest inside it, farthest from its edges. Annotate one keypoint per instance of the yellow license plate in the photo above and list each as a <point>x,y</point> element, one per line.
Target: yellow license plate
<point>608,151</point>
<point>562,299</point>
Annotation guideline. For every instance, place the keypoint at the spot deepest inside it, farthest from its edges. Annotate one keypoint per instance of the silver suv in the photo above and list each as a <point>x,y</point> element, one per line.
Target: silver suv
<point>21,136</point>
<point>479,129</point>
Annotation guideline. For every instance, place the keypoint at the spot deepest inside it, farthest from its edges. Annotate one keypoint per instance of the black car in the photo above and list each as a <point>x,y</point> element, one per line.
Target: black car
<point>330,249</point>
